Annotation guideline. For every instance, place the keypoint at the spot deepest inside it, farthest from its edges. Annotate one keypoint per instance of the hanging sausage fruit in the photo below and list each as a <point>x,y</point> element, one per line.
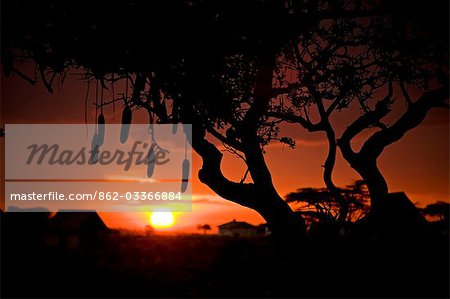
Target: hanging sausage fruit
<point>101,118</point>
<point>151,162</point>
<point>185,170</point>
<point>126,117</point>
<point>152,151</point>
<point>126,124</point>
<point>101,129</point>
<point>185,175</point>
<point>174,118</point>
<point>174,128</point>
<point>95,142</point>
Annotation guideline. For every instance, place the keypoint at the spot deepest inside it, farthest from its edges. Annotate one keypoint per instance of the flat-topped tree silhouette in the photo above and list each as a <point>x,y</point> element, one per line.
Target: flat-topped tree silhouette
<point>439,209</point>
<point>209,63</point>
<point>319,205</point>
<point>204,227</point>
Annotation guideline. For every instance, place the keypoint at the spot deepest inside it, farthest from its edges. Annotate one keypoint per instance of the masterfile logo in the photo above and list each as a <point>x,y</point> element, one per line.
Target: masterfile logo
<point>84,166</point>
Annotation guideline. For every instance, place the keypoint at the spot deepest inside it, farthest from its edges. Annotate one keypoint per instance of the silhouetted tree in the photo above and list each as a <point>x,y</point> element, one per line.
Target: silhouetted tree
<point>440,214</point>
<point>319,205</point>
<point>376,62</point>
<point>224,67</point>
<point>212,67</point>
<point>204,227</point>
<point>439,209</point>
<point>149,230</point>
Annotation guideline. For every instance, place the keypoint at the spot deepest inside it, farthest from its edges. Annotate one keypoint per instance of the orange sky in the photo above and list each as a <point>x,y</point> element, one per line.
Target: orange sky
<point>417,165</point>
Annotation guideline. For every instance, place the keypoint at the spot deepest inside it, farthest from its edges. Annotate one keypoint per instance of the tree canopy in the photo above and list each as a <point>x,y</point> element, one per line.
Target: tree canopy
<point>237,69</point>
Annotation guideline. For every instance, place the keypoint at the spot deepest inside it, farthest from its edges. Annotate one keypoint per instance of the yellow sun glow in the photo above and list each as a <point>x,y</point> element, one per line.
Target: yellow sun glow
<point>162,219</point>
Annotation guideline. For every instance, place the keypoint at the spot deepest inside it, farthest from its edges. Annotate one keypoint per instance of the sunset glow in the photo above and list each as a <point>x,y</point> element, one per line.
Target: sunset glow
<point>162,219</point>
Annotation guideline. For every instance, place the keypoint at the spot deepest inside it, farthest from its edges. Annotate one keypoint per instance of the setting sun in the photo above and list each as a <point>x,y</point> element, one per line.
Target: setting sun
<point>162,219</point>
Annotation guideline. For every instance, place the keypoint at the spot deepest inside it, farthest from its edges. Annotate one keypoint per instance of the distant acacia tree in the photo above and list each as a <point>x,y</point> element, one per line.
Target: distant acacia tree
<point>204,227</point>
<point>319,205</point>
<point>149,230</point>
<point>235,70</point>
<point>440,214</point>
<point>439,209</point>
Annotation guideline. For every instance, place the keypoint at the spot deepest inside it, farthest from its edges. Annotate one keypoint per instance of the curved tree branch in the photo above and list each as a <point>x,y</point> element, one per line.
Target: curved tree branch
<point>211,173</point>
<point>415,114</point>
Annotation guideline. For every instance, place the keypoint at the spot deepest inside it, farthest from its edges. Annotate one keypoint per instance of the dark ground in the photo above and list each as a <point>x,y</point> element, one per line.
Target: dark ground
<point>212,266</point>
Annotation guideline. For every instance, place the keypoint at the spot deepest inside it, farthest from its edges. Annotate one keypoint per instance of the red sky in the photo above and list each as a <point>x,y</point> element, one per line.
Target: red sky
<point>418,164</point>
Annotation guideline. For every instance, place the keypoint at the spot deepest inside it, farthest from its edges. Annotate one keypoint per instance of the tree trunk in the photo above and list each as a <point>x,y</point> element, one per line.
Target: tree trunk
<point>328,173</point>
<point>260,195</point>
<point>283,222</point>
<point>376,184</point>
<point>381,219</point>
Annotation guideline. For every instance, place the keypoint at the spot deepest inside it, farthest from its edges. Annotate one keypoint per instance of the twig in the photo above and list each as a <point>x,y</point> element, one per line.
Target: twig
<point>408,99</point>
